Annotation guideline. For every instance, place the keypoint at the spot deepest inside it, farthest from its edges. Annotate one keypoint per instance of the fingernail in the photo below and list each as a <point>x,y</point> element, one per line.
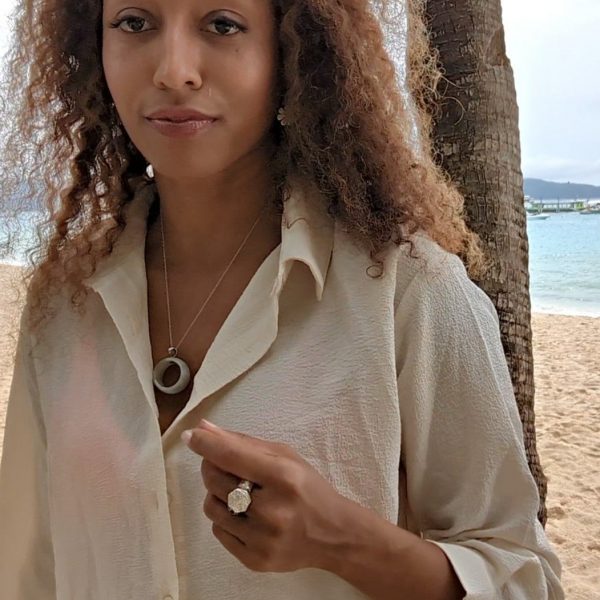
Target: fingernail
<point>186,436</point>
<point>208,425</point>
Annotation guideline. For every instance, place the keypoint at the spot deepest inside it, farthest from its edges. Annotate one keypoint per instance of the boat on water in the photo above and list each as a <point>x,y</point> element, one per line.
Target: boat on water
<point>537,217</point>
<point>594,210</point>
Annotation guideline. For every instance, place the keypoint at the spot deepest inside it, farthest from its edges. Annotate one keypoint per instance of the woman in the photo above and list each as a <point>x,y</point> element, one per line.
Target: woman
<point>249,238</point>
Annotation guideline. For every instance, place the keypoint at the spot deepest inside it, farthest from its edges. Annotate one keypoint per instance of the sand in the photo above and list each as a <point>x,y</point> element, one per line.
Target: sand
<point>567,378</point>
<point>9,314</point>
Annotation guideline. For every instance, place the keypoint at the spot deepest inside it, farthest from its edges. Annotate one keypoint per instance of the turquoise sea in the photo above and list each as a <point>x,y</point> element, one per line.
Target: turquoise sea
<point>564,263</point>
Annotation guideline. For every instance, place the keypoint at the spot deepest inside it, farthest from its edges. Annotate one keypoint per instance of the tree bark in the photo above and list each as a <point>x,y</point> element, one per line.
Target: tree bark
<point>476,139</point>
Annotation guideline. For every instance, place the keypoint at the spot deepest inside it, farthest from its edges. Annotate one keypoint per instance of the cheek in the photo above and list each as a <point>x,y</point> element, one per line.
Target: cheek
<point>124,84</point>
<point>113,66</point>
<point>252,90</point>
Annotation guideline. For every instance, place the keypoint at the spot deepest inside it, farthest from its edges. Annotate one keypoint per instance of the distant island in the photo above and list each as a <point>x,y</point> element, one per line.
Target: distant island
<point>550,190</point>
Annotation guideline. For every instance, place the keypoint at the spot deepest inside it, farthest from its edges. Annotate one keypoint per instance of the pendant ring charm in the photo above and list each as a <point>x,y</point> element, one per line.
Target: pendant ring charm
<point>180,384</point>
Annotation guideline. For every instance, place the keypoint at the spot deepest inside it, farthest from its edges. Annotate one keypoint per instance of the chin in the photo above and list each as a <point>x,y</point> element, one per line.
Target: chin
<point>190,170</point>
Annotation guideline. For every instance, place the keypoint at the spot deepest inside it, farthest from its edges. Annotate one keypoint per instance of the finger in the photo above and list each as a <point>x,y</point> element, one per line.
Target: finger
<point>232,543</point>
<point>241,455</point>
<point>236,525</point>
<point>235,547</point>
<point>218,482</point>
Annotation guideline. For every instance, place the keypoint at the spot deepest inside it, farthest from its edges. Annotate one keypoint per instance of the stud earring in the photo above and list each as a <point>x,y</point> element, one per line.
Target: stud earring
<point>281,116</point>
<point>150,171</point>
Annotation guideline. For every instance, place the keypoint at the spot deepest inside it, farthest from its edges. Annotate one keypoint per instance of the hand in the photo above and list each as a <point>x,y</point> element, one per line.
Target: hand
<point>296,519</point>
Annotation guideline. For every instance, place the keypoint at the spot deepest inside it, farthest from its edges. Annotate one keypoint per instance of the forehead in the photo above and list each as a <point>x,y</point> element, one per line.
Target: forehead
<point>191,5</point>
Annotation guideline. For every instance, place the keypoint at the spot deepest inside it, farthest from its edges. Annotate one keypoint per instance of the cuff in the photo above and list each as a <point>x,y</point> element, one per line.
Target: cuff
<point>472,570</point>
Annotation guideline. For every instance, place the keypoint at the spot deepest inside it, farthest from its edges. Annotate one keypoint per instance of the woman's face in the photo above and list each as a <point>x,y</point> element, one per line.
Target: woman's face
<point>218,57</point>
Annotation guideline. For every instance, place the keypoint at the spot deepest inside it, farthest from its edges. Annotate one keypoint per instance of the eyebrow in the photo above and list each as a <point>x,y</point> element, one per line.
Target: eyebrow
<point>241,3</point>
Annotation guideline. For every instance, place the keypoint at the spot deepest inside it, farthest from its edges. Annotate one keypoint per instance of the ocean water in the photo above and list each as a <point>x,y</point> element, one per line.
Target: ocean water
<point>564,263</point>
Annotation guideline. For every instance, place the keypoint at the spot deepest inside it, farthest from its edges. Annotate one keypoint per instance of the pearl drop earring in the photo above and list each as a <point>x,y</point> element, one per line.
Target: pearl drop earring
<point>150,171</point>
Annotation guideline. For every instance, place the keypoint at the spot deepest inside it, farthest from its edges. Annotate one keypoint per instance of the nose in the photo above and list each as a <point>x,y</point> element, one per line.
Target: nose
<point>179,62</point>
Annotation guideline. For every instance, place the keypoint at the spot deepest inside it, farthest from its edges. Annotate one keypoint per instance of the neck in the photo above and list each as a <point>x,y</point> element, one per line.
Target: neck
<point>206,220</point>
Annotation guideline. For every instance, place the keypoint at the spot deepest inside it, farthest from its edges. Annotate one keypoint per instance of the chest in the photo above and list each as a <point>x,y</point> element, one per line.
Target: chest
<point>186,298</point>
<point>192,337</point>
<point>326,385</point>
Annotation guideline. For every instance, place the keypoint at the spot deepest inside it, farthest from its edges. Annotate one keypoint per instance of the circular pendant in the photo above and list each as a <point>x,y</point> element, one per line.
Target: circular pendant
<point>180,384</point>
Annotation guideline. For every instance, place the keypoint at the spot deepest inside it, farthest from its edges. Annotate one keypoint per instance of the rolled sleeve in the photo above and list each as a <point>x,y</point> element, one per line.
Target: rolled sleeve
<point>26,555</point>
<point>468,484</point>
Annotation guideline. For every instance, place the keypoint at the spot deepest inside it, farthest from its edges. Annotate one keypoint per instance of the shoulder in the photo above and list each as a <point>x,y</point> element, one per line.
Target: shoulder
<point>429,280</point>
<point>421,259</point>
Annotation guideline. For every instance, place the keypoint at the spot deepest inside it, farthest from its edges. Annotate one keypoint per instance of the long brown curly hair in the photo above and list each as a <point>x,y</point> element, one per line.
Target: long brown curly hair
<point>351,132</point>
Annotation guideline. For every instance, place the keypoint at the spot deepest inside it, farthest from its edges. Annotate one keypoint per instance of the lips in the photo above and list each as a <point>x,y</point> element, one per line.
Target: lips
<point>188,120</point>
<point>176,114</point>
<point>179,121</point>
<point>182,129</point>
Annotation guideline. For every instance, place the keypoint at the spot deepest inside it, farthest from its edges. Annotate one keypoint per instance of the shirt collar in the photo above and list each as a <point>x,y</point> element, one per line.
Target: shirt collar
<point>306,236</point>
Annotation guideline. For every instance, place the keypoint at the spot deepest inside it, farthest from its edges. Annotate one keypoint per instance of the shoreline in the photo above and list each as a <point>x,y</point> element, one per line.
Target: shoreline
<point>535,310</point>
<point>568,312</point>
<point>541,313</point>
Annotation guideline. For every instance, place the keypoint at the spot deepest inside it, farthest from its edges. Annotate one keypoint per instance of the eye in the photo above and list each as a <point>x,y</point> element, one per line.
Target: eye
<point>222,24</point>
<point>126,19</point>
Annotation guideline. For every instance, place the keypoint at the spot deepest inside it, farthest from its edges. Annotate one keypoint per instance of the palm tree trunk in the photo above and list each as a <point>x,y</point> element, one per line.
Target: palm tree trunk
<point>476,138</point>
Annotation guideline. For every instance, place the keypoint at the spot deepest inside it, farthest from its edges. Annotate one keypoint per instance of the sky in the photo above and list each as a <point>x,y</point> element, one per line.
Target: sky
<point>553,48</point>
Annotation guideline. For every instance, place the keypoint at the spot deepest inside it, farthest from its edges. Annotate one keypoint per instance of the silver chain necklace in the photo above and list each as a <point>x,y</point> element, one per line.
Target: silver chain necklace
<point>172,359</point>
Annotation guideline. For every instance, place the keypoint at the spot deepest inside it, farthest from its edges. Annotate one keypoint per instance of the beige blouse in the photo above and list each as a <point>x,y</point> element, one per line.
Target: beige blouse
<point>396,389</point>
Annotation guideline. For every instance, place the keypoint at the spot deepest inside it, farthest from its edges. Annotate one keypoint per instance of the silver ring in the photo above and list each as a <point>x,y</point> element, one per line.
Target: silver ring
<point>239,499</point>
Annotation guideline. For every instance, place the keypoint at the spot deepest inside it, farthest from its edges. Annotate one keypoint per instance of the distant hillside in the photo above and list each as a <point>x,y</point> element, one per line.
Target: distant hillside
<point>549,190</point>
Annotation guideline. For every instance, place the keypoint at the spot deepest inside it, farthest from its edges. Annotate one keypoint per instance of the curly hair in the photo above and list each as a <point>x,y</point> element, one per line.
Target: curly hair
<point>351,133</point>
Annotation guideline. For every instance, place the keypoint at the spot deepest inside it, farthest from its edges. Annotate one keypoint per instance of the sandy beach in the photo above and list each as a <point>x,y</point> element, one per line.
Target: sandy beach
<point>567,376</point>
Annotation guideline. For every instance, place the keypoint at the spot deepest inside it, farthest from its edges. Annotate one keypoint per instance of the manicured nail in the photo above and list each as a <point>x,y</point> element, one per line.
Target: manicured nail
<point>208,425</point>
<point>186,436</point>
